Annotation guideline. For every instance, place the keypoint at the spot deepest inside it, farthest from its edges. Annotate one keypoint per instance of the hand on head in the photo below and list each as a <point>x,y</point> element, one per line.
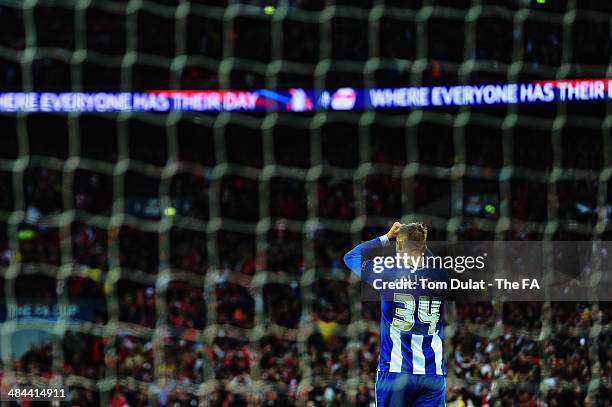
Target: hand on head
<point>395,228</point>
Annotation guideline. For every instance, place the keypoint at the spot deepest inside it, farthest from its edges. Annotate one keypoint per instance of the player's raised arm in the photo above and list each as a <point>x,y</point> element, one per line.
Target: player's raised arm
<point>354,258</point>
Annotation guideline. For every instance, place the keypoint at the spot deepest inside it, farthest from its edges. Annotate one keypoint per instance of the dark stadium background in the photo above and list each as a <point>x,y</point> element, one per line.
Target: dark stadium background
<point>240,297</point>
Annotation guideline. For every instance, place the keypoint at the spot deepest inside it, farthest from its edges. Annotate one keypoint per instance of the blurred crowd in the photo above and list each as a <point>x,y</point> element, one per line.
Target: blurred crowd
<point>160,34</point>
<point>206,340</point>
<point>240,301</point>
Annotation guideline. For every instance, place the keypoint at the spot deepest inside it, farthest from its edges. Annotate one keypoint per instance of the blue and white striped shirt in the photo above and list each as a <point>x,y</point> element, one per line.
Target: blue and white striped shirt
<point>411,331</point>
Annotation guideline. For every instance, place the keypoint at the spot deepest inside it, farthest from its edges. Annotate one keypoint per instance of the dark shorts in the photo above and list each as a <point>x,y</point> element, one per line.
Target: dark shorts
<point>404,389</point>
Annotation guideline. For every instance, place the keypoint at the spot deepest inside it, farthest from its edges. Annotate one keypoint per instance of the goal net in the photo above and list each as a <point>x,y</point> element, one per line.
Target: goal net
<point>196,257</point>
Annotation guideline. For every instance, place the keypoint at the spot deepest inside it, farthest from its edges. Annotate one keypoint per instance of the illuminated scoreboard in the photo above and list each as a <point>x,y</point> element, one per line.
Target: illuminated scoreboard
<point>303,100</point>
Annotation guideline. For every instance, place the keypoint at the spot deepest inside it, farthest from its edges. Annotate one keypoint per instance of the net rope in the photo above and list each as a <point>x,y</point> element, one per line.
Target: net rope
<point>319,169</point>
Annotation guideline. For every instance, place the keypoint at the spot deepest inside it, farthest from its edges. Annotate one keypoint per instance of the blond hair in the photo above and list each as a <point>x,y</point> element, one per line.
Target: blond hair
<point>413,235</point>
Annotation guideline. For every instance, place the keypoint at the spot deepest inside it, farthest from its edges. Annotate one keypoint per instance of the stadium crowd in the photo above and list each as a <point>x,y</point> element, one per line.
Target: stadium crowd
<point>494,355</point>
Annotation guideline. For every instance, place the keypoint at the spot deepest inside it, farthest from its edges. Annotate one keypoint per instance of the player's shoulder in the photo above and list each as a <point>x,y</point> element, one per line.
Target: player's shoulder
<point>432,265</point>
